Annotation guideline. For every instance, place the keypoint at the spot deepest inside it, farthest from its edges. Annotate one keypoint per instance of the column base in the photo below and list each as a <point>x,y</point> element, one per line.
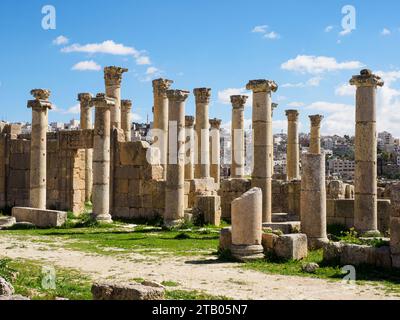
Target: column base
<point>102,218</point>
<point>245,253</point>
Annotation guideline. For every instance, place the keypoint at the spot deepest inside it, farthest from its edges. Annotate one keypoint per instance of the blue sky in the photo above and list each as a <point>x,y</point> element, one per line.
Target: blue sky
<point>218,44</point>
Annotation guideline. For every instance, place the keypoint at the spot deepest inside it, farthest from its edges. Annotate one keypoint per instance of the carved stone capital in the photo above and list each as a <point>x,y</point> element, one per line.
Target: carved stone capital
<point>177,95</point>
<point>238,102</point>
<point>262,86</point>
<point>126,105</point>
<point>41,94</point>
<point>160,87</point>
<point>102,101</point>
<point>203,95</point>
<point>316,120</point>
<point>113,75</point>
<point>366,79</point>
<point>215,123</point>
<point>189,121</point>
<point>292,115</point>
<point>85,99</point>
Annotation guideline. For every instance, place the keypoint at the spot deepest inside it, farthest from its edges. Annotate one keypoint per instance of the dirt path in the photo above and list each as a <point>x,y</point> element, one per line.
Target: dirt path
<point>193,273</point>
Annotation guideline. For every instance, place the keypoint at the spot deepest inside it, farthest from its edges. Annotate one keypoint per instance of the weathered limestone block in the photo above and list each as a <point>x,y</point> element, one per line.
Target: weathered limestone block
<point>285,227</point>
<point>40,218</point>
<point>269,241</point>
<point>336,190</point>
<point>210,208</point>
<point>130,292</point>
<point>333,251</point>
<point>225,239</point>
<point>7,222</point>
<point>77,139</point>
<point>395,235</point>
<point>247,226</point>
<point>357,255</point>
<point>291,247</point>
<point>229,191</point>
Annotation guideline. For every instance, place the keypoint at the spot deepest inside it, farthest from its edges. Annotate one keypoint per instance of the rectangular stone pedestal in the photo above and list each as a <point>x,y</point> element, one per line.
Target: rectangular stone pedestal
<point>210,208</point>
<point>40,218</point>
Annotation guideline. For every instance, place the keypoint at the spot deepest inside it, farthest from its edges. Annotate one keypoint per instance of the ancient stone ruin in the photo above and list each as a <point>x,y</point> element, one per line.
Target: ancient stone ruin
<point>177,176</point>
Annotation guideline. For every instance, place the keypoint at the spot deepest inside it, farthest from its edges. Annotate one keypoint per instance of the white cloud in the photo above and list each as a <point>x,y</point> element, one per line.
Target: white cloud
<point>313,82</point>
<point>60,40</point>
<point>144,60</point>
<point>296,104</point>
<point>386,32</point>
<point>260,29</point>
<point>328,28</point>
<point>151,70</point>
<point>318,64</point>
<point>136,117</point>
<point>272,35</point>
<point>339,118</point>
<point>224,96</point>
<point>86,66</point>
<point>345,90</point>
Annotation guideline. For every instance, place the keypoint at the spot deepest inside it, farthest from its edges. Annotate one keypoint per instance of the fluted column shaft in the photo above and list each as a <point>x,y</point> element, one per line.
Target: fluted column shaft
<point>202,168</point>
<point>175,195</point>
<point>40,107</point>
<point>238,142</point>
<point>263,141</point>
<point>293,146</point>
<point>86,123</point>
<point>365,203</point>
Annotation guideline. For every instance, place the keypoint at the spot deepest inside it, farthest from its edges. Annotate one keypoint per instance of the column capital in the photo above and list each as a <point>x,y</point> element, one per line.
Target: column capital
<point>178,95</point>
<point>366,79</point>
<point>215,123</point>
<point>113,75</point>
<point>160,87</point>
<point>293,115</point>
<point>85,99</point>
<point>189,121</point>
<point>41,94</point>
<point>316,120</point>
<point>238,102</point>
<point>203,95</point>
<point>102,101</point>
<point>41,99</point>
<point>126,105</point>
<point>262,85</point>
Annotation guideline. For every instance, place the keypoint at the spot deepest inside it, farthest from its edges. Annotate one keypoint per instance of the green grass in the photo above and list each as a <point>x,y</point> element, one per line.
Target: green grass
<point>170,284</point>
<point>192,295</point>
<point>26,277</point>
<point>114,239</point>
<point>390,279</point>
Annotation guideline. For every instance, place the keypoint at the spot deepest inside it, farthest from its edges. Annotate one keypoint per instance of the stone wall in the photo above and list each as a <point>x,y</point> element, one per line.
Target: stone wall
<point>341,211</point>
<point>229,191</point>
<point>139,191</point>
<point>65,169</point>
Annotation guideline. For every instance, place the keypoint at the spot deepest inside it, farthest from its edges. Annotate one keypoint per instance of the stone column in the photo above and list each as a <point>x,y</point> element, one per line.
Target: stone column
<point>215,154</point>
<point>175,195</point>
<point>202,168</point>
<point>40,107</point>
<point>315,138</point>
<point>238,142</point>
<point>86,123</point>
<point>366,203</point>
<point>293,146</point>
<point>101,157</point>
<point>247,226</point>
<point>126,107</point>
<point>313,199</point>
<point>262,139</point>
<point>273,106</point>
<point>190,145</point>
<point>160,87</point>
<point>113,79</point>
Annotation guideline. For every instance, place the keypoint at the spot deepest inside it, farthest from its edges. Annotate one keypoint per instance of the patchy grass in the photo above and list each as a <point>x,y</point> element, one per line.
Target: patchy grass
<point>192,295</point>
<point>116,238</point>
<point>390,279</point>
<point>26,277</point>
<point>170,284</point>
